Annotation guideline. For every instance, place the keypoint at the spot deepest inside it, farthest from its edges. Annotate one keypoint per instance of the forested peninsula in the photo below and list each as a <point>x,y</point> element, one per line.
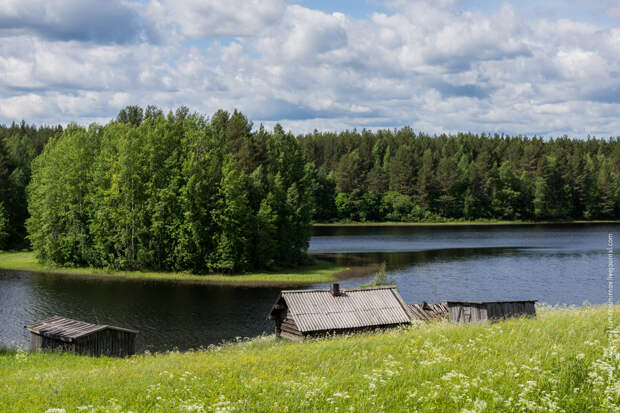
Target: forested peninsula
<point>183,192</point>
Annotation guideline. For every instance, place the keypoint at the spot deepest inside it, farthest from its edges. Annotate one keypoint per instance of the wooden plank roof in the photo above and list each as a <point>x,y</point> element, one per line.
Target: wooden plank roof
<point>320,310</point>
<point>428,312</point>
<point>66,329</point>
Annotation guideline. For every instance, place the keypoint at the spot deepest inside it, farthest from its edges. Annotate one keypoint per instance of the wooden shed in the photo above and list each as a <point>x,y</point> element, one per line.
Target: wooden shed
<point>428,312</point>
<point>301,314</point>
<point>65,334</point>
<point>474,311</point>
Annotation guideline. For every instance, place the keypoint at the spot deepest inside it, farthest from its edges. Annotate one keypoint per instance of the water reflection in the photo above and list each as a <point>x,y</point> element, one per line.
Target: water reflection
<point>397,260</point>
<point>554,264</point>
<point>167,314</point>
<point>564,264</point>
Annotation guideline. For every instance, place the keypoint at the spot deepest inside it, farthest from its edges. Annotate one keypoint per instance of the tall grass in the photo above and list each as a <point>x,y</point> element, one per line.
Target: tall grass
<point>381,277</point>
<point>557,362</point>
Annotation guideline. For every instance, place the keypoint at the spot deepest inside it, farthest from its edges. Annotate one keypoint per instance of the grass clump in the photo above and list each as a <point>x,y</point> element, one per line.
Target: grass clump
<point>560,361</point>
<point>381,278</point>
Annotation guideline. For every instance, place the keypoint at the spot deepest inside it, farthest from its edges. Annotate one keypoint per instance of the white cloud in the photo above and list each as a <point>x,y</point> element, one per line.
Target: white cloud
<point>426,64</point>
<point>309,34</point>
<point>110,21</point>
<point>29,106</point>
<point>207,18</point>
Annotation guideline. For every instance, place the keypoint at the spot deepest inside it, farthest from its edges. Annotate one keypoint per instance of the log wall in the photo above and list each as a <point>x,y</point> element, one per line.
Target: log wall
<point>108,342</point>
<point>460,313</point>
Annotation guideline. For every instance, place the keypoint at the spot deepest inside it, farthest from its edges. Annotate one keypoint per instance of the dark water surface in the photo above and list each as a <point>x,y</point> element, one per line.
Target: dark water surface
<point>556,264</point>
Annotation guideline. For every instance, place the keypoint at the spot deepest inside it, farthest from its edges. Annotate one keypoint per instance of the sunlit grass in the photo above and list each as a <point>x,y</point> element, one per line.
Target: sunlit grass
<point>320,272</point>
<point>557,362</point>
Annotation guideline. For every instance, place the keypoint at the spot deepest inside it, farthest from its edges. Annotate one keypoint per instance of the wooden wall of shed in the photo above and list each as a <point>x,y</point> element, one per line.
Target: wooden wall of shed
<point>323,333</point>
<point>287,328</point>
<point>111,343</point>
<point>511,309</point>
<point>467,313</point>
<point>40,342</point>
<point>107,342</point>
<point>460,313</point>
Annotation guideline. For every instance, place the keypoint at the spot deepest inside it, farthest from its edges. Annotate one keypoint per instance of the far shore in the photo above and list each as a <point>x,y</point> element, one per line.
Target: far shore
<point>320,272</point>
<point>458,223</point>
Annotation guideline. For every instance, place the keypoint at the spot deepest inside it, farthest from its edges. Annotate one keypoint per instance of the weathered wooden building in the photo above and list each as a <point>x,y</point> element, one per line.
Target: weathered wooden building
<point>428,312</point>
<point>301,314</point>
<point>65,334</point>
<point>474,311</point>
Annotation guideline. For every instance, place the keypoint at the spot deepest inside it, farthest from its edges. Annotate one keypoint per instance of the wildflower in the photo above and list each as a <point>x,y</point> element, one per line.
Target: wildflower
<point>21,355</point>
<point>194,407</point>
<point>55,410</point>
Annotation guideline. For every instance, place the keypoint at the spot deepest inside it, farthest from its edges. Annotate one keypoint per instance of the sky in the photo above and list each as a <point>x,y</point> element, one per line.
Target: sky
<point>525,67</point>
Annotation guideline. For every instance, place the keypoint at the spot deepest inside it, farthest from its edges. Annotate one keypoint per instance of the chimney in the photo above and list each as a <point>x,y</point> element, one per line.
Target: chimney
<point>335,289</point>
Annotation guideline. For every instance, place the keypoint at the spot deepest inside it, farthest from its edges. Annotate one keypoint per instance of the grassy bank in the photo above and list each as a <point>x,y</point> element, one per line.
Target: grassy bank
<point>320,272</point>
<point>556,362</point>
<point>481,222</point>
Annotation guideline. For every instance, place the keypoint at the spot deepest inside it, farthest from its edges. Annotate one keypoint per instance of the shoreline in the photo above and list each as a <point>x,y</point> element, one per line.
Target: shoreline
<point>319,273</point>
<point>458,223</point>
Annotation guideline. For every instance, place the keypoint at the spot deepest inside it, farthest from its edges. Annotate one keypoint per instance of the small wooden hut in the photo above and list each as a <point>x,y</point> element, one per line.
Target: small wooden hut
<point>428,312</point>
<point>474,311</point>
<point>65,334</point>
<point>302,314</point>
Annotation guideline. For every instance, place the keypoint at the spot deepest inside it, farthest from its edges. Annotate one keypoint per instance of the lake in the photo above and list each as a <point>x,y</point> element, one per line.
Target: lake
<point>555,264</point>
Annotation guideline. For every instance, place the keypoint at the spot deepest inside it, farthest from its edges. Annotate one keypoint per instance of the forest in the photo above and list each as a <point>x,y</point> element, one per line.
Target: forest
<point>19,145</point>
<point>398,175</point>
<point>180,191</point>
<point>174,193</point>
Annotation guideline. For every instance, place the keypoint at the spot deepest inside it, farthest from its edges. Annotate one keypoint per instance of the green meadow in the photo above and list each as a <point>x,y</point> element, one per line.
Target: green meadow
<point>319,272</point>
<point>560,361</point>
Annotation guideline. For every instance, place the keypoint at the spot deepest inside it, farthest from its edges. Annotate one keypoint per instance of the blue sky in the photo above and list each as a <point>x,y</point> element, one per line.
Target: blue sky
<point>529,67</point>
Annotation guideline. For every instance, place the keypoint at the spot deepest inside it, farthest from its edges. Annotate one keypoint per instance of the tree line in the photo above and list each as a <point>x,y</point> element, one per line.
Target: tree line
<point>180,191</point>
<point>19,145</point>
<point>400,175</point>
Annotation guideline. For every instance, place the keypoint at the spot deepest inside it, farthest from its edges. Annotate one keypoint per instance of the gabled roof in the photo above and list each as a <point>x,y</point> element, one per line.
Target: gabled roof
<point>320,310</point>
<point>66,329</point>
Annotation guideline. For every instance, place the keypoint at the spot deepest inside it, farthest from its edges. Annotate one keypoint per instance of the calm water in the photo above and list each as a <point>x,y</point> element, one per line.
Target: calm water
<point>553,264</point>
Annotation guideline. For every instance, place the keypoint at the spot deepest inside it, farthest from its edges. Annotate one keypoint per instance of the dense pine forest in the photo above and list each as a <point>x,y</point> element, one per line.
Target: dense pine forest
<point>400,175</point>
<point>180,191</point>
<point>19,145</point>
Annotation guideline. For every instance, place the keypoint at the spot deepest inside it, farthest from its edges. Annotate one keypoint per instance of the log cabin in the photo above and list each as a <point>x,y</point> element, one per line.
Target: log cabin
<point>64,334</point>
<point>301,314</point>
